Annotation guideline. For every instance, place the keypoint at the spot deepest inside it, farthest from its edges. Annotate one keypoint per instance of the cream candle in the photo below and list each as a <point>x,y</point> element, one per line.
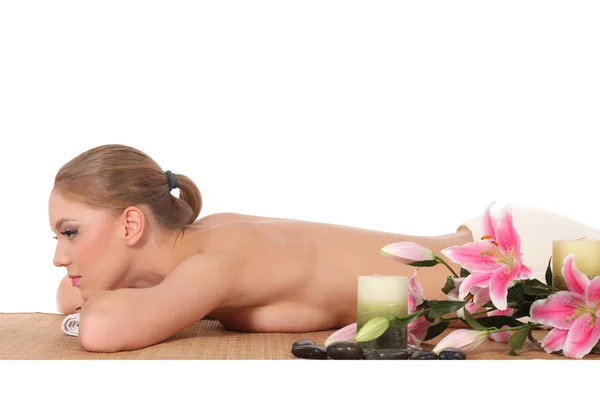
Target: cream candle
<point>587,258</point>
<point>383,296</point>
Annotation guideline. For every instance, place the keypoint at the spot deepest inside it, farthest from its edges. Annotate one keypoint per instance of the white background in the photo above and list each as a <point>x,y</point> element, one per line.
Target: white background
<point>401,116</point>
<point>395,116</point>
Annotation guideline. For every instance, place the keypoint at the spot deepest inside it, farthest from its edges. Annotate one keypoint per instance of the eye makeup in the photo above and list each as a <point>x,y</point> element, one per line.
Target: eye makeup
<point>69,233</point>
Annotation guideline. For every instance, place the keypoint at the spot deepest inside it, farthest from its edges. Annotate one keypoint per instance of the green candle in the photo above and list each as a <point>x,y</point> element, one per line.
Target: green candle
<point>366,311</point>
<point>383,296</point>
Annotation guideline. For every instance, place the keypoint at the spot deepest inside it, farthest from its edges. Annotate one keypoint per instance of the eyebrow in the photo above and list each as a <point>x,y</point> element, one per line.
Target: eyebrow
<point>61,221</point>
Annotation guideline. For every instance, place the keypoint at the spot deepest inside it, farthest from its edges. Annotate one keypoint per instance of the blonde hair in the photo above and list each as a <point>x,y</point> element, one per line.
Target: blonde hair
<point>115,176</point>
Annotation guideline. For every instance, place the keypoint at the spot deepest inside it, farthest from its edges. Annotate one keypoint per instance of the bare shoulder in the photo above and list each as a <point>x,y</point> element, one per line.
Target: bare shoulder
<point>202,272</point>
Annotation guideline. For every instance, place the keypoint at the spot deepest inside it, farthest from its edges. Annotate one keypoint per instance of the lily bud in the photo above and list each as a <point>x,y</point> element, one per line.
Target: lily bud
<point>463,339</point>
<point>345,334</point>
<point>374,328</point>
<point>410,253</point>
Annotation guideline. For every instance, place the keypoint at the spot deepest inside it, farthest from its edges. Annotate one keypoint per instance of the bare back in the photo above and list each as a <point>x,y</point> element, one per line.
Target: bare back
<point>302,276</point>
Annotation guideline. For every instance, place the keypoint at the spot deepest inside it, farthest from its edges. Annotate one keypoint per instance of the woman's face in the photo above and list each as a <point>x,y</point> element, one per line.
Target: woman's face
<point>88,244</point>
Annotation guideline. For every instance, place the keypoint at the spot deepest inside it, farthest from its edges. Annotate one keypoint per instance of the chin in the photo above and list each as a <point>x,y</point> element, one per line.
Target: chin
<point>86,293</point>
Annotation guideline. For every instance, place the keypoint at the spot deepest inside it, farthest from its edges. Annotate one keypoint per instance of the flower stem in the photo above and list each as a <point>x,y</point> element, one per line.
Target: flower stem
<point>512,328</point>
<point>447,266</point>
<point>481,312</point>
<point>533,340</point>
<point>451,319</point>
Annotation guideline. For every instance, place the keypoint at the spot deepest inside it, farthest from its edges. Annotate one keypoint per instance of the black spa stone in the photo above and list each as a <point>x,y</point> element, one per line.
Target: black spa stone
<point>423,355</point>
<point>345,351</point>
<point>302,342</point>
<point>386,354</point>
<point>310,351</point>
<point>411,350</point>
<point>451,353</point>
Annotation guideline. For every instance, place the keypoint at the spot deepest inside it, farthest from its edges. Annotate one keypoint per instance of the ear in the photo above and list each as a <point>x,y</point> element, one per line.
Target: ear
<point>134,223</point>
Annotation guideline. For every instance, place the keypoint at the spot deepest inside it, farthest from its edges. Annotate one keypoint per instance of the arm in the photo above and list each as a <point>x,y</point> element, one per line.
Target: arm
<point>133,318</point>
<point>68,297</point>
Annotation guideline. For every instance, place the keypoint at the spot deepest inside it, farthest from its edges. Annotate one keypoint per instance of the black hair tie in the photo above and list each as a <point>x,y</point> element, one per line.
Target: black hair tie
<point>172,178</point>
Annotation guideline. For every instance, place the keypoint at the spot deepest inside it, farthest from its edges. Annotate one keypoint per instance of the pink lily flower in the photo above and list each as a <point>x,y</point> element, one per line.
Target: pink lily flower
<point>415,293</point>
<point>346,334</point>
<point>573,314</point>
<point>501,337</point>
<point>417,328</point>
<point>407,252</point>
<point>495,261</point>
<point>478,297</point>
<point>463,339</point>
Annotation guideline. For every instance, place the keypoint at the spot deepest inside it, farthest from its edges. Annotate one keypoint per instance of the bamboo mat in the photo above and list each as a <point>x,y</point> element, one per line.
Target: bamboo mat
<point>38,336</point>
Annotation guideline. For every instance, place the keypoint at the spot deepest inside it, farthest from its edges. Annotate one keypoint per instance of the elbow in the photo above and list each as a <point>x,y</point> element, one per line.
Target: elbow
<point>62,309</point>
<point>95,335</point>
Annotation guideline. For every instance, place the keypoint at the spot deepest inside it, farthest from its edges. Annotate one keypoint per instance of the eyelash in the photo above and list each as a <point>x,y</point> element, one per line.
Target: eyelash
<point>67,232</point>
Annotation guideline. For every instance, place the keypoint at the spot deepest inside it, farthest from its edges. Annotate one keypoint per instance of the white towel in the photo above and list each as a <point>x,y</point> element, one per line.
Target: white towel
<point>70,324</point>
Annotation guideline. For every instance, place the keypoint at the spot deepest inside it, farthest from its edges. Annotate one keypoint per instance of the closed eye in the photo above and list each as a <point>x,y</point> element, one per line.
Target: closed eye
<point>69,233</point>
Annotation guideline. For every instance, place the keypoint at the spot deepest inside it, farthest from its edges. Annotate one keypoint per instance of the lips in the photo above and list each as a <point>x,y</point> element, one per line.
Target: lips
<point>74,279</point>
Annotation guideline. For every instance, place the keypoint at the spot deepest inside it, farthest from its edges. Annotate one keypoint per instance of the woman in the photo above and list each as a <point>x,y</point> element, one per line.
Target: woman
<point>143,267</point>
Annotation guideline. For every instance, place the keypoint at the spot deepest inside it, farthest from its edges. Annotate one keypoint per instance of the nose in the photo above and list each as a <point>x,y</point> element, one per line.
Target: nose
<point>61,258</point>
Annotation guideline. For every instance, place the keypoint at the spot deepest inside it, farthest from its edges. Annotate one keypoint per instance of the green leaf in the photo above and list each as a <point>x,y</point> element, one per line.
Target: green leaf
<point>515,293</point>
<point>464,273</point>
<point>498,321</point>
<point>549,272</point>
<point>537,288</point>
<point>538,292</point>
<point>522,311</point>
<point>424,263</point>
<point>449,285</point>
<point>437,308</point>
<point>406,319</point>
<point>534,283</point>
<point>472,322</point>
<point>435,330</point>
<point>517,339</point>
<point>528,297</point>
